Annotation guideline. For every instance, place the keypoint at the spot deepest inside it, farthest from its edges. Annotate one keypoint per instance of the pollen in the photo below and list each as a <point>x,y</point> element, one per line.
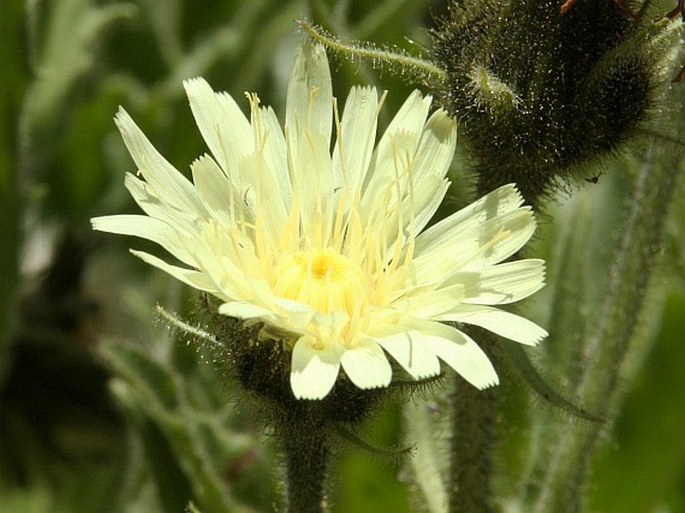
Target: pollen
<point>323,279</point>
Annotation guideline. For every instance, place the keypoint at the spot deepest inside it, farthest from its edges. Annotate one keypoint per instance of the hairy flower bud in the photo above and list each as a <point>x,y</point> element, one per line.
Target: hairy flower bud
<point>541,90</point>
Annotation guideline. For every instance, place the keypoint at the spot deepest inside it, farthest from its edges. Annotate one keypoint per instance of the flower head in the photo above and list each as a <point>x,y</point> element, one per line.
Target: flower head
<point>326,249</point>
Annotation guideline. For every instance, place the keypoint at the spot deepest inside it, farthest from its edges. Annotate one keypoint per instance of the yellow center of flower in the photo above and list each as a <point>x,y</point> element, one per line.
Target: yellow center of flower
<point>323,279</point>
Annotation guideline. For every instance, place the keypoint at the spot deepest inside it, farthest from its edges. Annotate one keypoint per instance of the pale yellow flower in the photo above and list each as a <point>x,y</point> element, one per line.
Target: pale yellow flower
<point>326,248</point>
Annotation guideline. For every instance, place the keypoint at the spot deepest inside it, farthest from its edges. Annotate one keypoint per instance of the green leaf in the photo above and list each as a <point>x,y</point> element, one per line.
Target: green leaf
<point>186,461</point>
<point>174,487</point>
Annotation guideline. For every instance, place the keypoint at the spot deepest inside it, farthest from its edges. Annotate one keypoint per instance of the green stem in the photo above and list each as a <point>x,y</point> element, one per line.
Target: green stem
<point>307,453</point>
<point>472,440</point>
<point>612,341</point>
<point>402,61</point>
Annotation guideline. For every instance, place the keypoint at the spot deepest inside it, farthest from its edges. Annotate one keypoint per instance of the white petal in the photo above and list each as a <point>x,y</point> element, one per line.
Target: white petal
<point>460,352</point>
<point>309,102</point>
<point>330,325</point>
<point>222,124</point>
<point>503,283</point>
<point>433,158</point>
<point>161,176</point>
<point>505,324</point>
<point>493,241</point>
<point>245,311</point>
<point>403,221</point>
<point>400,139</point>
<point>407,178</point>
<point>397,221</point>
<point>227,257</point>
<point>186,222</point>
<point>308,133</point>
<point>412,352</point>
<point>214,189</point>
<point>366,365</point>
<point>195,279</point>
<point>431,304</point>
<point>263,195</point>
<point>312,179</point>
<point>466,250</point>
<point>147,228</point>
<point>355,139</point>
<point>274,150</point>
<point>297,315</point>
<point>314,371</point>
<point>468,220</point>
<point>425,202</point>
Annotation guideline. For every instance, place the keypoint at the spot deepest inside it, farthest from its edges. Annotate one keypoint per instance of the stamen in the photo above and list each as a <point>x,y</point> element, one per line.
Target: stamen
<point>312,97</point>
<point>409,255</point>
<point>500,236</point>
<point>324,279</point>
<point>338,224</point>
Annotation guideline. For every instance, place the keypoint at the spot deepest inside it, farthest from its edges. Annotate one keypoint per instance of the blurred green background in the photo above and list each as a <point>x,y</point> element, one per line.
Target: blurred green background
<point>102,408</point>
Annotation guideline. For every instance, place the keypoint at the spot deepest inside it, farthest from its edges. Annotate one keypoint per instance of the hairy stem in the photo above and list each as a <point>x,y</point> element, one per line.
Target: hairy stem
<point>306,453</point>
<point>472,440</point>
<point>400,60</point>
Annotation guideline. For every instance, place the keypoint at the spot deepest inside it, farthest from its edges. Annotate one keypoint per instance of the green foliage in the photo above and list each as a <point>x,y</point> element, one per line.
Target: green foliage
<point>12,82</point>
<point>188,448</point>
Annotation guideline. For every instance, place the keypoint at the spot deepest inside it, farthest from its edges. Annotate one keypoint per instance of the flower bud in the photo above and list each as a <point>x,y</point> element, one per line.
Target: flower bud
<point>542,91</point>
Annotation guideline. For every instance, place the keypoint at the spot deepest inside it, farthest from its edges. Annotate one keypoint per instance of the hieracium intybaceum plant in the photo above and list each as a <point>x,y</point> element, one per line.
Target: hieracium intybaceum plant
<point>321,285</point>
